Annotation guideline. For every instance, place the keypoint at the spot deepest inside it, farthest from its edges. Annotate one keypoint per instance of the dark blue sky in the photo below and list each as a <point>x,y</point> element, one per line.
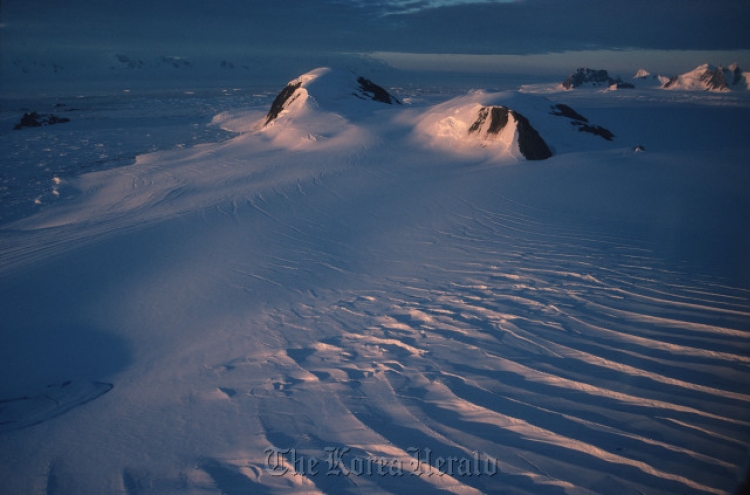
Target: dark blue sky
<point>321,29</point>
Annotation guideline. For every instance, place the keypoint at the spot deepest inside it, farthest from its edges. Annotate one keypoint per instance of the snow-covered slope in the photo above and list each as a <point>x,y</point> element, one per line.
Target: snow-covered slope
<point>371,311</point>
<point>707,77</point>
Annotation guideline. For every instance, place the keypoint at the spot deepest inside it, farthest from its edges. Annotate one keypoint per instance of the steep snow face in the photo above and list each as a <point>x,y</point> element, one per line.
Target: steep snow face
<point>707,77</point>
<point>507,124</point>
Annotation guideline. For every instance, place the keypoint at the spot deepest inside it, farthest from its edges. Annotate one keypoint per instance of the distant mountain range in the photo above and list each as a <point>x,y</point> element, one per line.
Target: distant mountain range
<point>705,77</point>
<point>711,78</point>
<point>154,69</point>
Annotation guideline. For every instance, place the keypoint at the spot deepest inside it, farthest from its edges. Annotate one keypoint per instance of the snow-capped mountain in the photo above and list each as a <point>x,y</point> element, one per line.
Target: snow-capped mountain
<point>708,77</point>
<point>328,89</point>
<point>321,106</point>
<point>512,129</point>
<point>525,126</point>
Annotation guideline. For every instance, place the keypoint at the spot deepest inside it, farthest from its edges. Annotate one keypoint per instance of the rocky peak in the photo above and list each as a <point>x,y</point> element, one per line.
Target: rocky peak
<point>585,76</point>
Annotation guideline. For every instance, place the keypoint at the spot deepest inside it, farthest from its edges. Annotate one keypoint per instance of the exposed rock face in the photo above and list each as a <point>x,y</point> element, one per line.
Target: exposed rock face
<point>596,130</point>
<point>585,76</point>
<point>375,92</point>
<point>281,100</point>
<point>530,143</point>
<point>496,118</point>
<point>563,110</point>
<point>715,79</point>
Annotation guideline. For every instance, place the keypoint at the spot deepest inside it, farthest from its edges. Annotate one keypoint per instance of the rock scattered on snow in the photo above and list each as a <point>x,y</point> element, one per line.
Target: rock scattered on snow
<point>34,119</point>
<point>562,110</point>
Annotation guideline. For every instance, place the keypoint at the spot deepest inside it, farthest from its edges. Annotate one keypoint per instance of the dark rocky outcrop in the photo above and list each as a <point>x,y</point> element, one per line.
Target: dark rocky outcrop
<point>596,130</point>
<point>281,99</point>
<point>715,79</point>
<point>563,110</point>
<point>589,76</point>
<point>375,92</point>
<point>672,81</point>
<point>530,143</point>
<point>481,118</point>
<point>499,119</point>
<point>34,119</point>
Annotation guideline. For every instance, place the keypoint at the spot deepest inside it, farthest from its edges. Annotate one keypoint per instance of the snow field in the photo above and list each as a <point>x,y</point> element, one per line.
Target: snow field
<point>364,290</point>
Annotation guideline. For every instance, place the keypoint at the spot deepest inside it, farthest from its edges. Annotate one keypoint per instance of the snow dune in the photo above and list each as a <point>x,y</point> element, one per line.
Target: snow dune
<point>337,295</point>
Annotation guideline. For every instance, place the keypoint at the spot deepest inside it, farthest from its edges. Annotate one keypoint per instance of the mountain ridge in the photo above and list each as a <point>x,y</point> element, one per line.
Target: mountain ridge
<point>707,77</point>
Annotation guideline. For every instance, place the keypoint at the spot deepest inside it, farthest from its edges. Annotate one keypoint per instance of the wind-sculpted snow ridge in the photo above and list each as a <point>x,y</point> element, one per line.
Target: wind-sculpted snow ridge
<point>397,306</point>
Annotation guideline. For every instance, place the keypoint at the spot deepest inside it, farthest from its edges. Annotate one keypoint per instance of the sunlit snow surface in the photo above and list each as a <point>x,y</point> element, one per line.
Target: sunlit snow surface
<point>582,322</point>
